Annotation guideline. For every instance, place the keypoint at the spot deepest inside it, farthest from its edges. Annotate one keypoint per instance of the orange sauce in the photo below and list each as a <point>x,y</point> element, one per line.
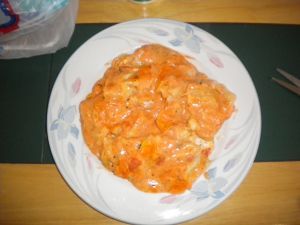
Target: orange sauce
<point>152,119</point>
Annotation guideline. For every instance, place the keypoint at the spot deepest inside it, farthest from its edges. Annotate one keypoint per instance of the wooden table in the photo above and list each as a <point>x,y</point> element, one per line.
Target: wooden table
<point>37,194</point>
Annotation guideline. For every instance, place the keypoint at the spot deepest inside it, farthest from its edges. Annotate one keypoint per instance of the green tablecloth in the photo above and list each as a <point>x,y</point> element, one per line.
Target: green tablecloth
<point>25,86</point>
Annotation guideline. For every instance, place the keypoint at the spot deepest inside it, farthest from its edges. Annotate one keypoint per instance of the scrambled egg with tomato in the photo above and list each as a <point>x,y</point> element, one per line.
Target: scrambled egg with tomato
<point>152,119</point>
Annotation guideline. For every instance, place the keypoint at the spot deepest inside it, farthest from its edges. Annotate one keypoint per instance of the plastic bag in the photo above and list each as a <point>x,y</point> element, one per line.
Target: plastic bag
<point>35,27</point>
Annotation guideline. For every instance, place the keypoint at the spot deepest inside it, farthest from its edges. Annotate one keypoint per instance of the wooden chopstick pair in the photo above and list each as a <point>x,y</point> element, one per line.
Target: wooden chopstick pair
<point>293,88</point>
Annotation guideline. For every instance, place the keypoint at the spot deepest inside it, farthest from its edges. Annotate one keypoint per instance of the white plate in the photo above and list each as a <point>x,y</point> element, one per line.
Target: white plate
<point>236,143</point>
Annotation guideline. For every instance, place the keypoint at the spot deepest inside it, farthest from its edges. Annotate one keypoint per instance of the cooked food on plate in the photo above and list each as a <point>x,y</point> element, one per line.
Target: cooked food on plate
<point>153,117</point>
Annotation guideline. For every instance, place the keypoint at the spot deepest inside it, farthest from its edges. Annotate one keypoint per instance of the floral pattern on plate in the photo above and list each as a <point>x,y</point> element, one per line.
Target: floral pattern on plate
<point>235,145</point>
<point>186,37</point>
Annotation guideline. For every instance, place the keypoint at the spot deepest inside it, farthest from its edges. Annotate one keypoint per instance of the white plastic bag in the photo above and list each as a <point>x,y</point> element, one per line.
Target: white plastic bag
<point>35,27</point>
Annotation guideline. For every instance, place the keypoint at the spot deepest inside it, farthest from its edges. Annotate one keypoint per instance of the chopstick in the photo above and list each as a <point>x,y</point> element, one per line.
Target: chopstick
<point>288,86</point>
<point>288,76</point>
<point>293,88</point>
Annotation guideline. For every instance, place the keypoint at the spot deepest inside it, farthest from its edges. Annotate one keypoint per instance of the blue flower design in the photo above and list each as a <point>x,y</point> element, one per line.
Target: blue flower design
<point>72,154</point>
<point>232,162</point>
<point>187,38</point>
<point>210,187</point>
<point>64,123</point>
<point>157,31</point>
